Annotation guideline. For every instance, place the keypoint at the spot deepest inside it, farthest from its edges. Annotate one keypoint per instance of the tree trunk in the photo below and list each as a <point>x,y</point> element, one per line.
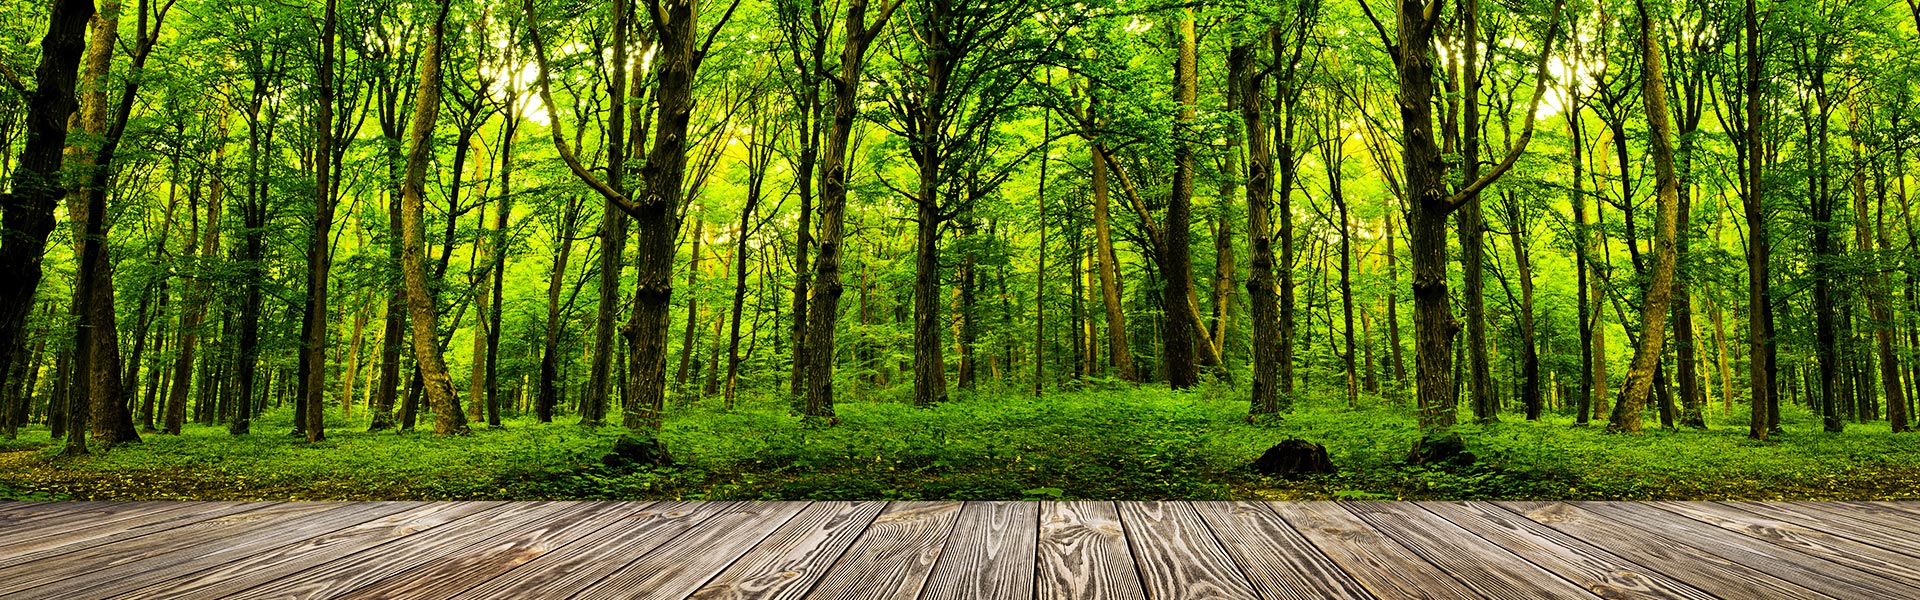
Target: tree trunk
<point>1261,289</point>
<point>693,304</point>
<point>1176,263</point>
<point>1118,356</point>
<point>319,257</point>
<point>1653,310</point>
<point>549,398</point>
<point>436,384</point>
<point>27,212</point>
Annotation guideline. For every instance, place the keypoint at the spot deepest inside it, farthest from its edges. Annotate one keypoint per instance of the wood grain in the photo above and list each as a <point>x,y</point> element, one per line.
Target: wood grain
<point>1663,552</point>
<point>353,571</point>
<point>794,557</point>
<point>563,572</point>
<point>1177,555</point>
<point>112,558</point>
<point>458,571</point>
<point>1387,569</point>
<point>1083,554</point>
<point>1596,570</point>
<point>1793,563</point>
<point>894,556</point>
<point>680,566</point>
<point>1842,524</point>
<point>990,554</point>
<point>290,560</point>
<point>1279,562</point>
<point>41,543</point>
<point>1486,567</point>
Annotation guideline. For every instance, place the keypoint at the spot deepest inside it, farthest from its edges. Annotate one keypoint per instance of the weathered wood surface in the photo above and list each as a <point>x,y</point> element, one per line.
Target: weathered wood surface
<point>953,550</point>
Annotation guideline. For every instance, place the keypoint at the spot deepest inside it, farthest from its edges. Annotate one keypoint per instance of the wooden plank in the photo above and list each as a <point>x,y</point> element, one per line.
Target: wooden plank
<point>1663,552</point>
<point>1482,565</point>
<point>1279,562</point>
<point>561,573</point>
<point>1082,553</point>
<point>1596,570</point>
<point>680,566</point>
<point>1792,563</point>
<point>109,573</point>
<point>1387,569</point>
<point>37,543</point>
<point>1177,555</point>
<point>458,571</point>
<point>50,520</point>
<point>990,554</point>
<point>351,572</point>
<point>1880,515</point>
<point>794,557</point>
<point>193,538</point>
<point>276,564</point>
<point>893,558</point>
<point>1810,541</point>
<point>1840,524</point>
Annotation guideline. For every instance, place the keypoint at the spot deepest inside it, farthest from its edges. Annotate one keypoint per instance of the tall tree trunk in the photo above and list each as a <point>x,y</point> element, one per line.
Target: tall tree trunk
<point>502,215</point>
<point>1261,290</point>
<point>1176,263</point>
<point>319,258</point>
<point>1473,227</point>
<point>27,212</point>
<point>549,397</point>
<point>656,211</point>
<point>1877,292</point>
<point>1759,252</point>
<point>422,315</point>
<point>824,303</point>
<point>693,304</point>
<point>1523,266</point>
<point>1653,310</point>
<point>1118,356</point>
<point>1040,271</point>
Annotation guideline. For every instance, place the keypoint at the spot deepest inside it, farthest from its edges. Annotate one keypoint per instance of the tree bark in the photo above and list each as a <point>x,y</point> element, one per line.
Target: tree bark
<point>824,304</point>
<point>1176,263</point>
<point>28,212</point>
<point>1653,310</point>
<point>437,385</point>
<point>319,257</point>
<point>1262,294</point>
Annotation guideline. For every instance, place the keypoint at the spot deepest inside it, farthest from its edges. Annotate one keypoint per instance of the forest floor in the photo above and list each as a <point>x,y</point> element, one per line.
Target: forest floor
<point>1116,444</point>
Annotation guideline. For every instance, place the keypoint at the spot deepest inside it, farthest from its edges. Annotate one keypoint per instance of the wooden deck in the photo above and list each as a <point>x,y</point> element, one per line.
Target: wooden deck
<point>959,551</point>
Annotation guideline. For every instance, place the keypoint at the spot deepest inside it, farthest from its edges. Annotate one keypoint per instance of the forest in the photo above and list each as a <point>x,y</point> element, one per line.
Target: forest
<point>958,248</point>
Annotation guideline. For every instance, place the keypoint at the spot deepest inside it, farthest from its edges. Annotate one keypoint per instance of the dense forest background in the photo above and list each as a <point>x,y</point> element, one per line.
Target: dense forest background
<point>375,213</point>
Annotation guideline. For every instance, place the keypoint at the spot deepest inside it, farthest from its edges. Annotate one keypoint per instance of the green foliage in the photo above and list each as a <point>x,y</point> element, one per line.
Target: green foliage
<point>1101,444</point>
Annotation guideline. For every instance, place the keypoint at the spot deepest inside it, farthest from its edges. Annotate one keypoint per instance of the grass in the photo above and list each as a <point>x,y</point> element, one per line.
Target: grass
<point>1108,444</point>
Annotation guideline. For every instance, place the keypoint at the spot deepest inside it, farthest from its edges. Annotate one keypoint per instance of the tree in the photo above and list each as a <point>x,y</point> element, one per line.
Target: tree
<point>448,419</point>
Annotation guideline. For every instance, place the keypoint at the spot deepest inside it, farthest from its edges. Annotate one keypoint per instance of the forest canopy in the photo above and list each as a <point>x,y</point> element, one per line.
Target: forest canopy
<point>378,212</point>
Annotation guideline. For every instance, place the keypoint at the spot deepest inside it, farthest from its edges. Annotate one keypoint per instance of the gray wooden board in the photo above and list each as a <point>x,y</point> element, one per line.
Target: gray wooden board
<point>1841,524</point>
<point>563,572</point>
<point>1594,569</point>
<point>1177,556</point>
<point>292,560</point>
<point>109,557</point>
<point>1387,569</point>
<point>1279,562</point>
<point>989,556</point>
<point>683,564</point>
<point>793,558</point>
<point>80,535</point>
<point>1486,567</point>
<point>206,549</point>
<point>1662,552</point>
<point>353,571</point>
<point>456,572</point>
<point>1082,554</point>
<point>1807,540</point>
<point>894,556</point>
<point>1792,563</point>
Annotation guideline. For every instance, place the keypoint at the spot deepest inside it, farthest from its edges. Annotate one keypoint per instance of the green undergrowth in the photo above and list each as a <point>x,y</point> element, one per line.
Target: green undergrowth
<point>1131,444</point>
